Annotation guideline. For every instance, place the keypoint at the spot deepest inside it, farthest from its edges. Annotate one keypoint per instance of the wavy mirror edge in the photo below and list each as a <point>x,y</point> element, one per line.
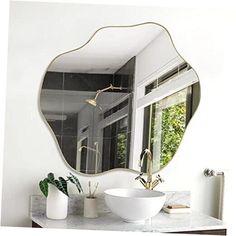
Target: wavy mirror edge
<point>80,47</point>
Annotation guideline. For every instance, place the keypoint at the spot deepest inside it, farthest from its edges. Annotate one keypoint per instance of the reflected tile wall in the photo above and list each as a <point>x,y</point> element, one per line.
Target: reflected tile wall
<point>60,91</point>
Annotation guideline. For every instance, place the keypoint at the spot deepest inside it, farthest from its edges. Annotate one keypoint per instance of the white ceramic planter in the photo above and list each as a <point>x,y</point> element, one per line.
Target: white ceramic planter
<point>57,204</point>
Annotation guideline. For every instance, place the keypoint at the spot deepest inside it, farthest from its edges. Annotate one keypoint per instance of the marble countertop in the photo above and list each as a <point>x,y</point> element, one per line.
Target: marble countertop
<point>162,222</point>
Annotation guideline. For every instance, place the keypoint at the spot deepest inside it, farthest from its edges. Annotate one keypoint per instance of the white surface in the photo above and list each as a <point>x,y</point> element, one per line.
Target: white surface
<point>134,205</point>
<point>33,44</point>
<point>4,17</point>
<point>109,221</point>
<point>76,202</point>
<point>108,50</point>
<point>148,62</point>
<point>57,204</point>
<point>162,222</point>
<point>152,3</point>
<point>38,231</point>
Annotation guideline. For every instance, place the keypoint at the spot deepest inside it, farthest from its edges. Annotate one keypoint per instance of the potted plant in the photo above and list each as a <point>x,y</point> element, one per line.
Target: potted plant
<point>56,192</point>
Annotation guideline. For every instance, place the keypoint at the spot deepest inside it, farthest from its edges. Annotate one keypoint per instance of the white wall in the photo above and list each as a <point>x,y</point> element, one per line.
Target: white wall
<point>4,15</point>
<point>157,55</point>
<point>40,31</point>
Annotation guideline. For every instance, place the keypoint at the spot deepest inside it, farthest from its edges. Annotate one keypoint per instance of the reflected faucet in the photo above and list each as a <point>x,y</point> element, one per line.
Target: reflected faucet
<point>98,154</point>
<point>149,184</point>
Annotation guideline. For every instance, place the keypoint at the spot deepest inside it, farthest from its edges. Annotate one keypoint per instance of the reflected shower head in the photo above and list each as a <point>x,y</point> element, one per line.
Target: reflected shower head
<point>92,102</point>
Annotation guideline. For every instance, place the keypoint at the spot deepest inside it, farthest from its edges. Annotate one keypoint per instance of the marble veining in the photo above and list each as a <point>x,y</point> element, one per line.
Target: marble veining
<point>76,203</point>
<point>162,222</point>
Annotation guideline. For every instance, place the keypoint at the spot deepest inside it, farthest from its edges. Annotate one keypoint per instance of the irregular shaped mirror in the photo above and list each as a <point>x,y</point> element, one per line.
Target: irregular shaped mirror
<point>125,90</point>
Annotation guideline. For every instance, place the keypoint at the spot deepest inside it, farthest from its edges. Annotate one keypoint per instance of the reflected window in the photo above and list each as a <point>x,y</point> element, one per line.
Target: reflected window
<point>165,123</point>
<point>115,145</point>
<point>177,70</point>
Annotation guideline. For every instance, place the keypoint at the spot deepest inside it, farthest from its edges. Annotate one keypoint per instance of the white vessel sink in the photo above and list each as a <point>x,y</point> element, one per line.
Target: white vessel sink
<point>134,205</point>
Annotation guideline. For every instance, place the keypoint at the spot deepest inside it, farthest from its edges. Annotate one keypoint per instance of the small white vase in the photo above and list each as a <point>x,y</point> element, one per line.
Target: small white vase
<point>90,207</point>
<point>57,204</point>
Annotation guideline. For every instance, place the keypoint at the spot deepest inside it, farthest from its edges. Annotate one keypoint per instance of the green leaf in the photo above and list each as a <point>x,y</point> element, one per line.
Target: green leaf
<point>51,178</point>
<point>73,179</point>
<point>43,185</point>
<point>64,184</point>
<point>61,184</point>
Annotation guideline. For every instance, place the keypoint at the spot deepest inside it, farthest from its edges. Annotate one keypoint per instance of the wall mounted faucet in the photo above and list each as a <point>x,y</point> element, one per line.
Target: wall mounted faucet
<point>149,184</point>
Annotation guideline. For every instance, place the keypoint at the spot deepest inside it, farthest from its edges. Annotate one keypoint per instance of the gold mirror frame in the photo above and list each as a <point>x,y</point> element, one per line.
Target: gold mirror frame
<point>76,49</point>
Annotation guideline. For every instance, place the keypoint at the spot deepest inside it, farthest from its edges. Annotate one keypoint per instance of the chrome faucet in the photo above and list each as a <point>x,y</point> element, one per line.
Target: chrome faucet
<point>149,184</point>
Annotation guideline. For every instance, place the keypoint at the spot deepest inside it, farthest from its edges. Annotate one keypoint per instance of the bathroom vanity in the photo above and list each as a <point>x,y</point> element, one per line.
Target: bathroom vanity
<point>190,223</point>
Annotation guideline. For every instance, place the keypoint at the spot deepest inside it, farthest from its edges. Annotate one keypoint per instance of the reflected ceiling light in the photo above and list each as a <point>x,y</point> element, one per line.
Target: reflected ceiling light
<point>93,101</point>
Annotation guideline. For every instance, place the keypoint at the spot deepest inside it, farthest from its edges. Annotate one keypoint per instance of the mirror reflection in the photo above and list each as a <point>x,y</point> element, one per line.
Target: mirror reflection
<point>127,89</point>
